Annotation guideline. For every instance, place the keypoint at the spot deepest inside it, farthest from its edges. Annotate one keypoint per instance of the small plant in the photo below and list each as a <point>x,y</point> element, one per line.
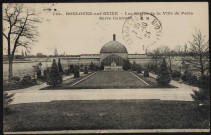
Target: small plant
<point>192,80</point>
<point>86,70</point>
<point>134,66</point>
<point>46,73</point>
<point>92,66</point>
<point>186,75</point>
<point>146,73</point>
<point>39,73</point>
<point>153,68</point>
<point>202,96</point>
<point>96,68</point>
<point>126,65</point>
<point>27,80</point>
<point>67,72</point>
<point>15,78</point>
<point>203,81</point>
<point>71,69</point>
<point>139,69</point>
<point>176,74</point>
<point>7,99</point>
<point>176,79</point>
<point>76,72</point>
<point>102,66</point>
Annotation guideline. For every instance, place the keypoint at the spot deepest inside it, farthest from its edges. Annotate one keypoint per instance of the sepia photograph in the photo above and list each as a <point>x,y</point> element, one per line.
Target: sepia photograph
<point>120,67</point>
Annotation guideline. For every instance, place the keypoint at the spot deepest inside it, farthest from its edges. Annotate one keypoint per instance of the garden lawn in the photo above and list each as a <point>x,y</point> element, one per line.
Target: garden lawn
<point>111,79</point>
<point>105,114</point>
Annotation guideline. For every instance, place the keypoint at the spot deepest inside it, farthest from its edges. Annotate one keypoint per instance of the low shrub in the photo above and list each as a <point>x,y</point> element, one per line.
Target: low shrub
<point>76,72</point>
<point>126,65</point>
<point>153,67</point>
<point>15,78</point>
<point>146,73</point>
<point>23,83</point>
<point>42,78</point>
<point>202,96</point>
<point>176,78</point>
<point>102,66</point>
<point>46,72</point>
<point>189,78</point>
<point>192,80</point>
<point>27,77</point>
<point>203,81</point>
<point>186,75</point>
<point>139,69</point>
<point>5,80</point>
<point>176,74</point>
<point>67,72</point>
<point>96,68</point>
<point>86,70</point>
<point>71,68</point>
<point>7,99</point>
<point>11,85</point>
<point>134,66</point>
<point>27,80</point>
<point>39,74</point>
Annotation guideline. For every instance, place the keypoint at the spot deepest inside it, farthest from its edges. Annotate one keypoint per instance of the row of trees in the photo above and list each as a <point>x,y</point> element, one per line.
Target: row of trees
<point>54,74</point>
<point>197,55</point>
<point>92,67</point>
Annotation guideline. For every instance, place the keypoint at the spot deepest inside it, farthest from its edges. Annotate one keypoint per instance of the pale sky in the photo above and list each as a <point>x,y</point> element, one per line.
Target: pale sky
<point>78,34</point>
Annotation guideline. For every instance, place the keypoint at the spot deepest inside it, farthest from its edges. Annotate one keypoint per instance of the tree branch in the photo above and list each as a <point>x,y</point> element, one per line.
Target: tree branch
<point>5,35</point>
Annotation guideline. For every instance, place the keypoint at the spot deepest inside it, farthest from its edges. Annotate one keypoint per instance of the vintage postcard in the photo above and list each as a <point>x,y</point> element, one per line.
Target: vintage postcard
<point>132,67</point>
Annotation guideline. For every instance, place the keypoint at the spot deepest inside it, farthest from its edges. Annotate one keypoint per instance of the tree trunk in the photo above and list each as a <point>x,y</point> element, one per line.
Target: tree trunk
<point>201,64</point>
<point>202,71</point>
<point>170,65</point>
<point>10,68</point>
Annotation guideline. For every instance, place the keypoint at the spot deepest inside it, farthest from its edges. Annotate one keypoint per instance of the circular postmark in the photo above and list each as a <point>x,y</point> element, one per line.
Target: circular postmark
<point>142,31</point>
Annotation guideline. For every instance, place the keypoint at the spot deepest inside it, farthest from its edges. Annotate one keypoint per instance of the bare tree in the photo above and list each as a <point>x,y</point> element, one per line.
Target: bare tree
<point>156,55</point>
<point>199,49</point>
<point>178,50</point>
<point>168,54</point>
<point>19,29</point>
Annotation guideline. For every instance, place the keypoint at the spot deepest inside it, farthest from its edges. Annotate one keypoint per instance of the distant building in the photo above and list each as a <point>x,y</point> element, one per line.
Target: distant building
<point>112,51</point>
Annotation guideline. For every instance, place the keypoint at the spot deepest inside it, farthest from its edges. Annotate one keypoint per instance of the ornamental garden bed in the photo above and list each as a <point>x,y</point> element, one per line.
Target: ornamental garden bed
<point>110,80</point>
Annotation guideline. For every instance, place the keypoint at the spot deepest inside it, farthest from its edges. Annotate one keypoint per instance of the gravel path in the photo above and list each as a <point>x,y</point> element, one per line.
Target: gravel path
<point>33,94</point>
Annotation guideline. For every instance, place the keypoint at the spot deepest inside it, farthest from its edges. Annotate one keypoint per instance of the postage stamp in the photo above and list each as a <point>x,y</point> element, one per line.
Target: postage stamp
<point>142,31</point>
